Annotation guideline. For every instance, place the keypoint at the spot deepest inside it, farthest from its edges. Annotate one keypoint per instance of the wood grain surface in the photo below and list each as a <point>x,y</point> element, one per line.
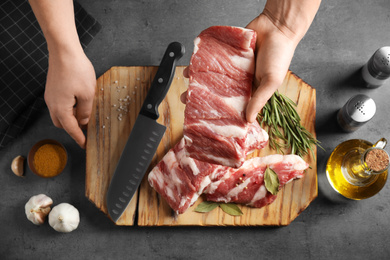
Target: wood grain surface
<point>112,121</point>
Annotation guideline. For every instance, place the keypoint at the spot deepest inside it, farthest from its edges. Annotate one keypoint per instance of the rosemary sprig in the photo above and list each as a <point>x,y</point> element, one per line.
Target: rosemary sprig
<point>278,114</point>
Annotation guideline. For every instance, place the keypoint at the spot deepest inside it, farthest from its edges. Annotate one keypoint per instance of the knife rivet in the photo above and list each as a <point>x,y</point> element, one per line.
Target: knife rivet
<point>160,80</point>
<point>171,54</point>
<point>149,106</point>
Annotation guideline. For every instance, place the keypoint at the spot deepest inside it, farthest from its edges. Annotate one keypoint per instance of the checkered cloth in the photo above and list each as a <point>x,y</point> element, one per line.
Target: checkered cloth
<point>24,63</point>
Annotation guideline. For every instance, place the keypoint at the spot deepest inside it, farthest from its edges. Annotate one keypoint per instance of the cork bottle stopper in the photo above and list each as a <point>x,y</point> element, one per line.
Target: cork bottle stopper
<point>377,160</point>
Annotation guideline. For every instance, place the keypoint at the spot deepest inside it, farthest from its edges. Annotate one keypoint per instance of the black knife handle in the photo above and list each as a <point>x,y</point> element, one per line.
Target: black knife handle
<point>162,80</point>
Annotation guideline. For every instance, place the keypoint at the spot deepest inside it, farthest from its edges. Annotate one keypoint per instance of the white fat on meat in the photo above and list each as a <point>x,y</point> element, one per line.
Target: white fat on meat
<point>221,160</point>
<point>237,190</point>
<point>237,102</point>
<point>196,44</point>
<point>169,193</point>
<point>255,133</point>
<point>214,185</point>
<point>156,175</point>
<point>296,162</point>
<point>166,183</point>
<point>184,160</point>
<point>260,194</point>
<point>224,130</point>
<point>244,62</point>
<point>271,159</point>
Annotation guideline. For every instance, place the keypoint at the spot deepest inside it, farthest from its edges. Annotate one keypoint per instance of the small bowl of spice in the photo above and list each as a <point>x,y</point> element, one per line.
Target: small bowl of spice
<point>47,158</point>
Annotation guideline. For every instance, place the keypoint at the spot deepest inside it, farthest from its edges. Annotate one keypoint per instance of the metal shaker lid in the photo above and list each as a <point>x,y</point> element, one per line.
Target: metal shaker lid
<point>361,108</point>
<point>380,63</point>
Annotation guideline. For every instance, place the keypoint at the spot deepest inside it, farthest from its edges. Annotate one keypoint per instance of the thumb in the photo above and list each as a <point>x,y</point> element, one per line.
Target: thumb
<point>266,89</point>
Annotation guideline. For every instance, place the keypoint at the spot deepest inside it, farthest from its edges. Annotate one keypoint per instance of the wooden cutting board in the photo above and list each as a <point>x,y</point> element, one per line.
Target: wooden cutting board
<point>119,96</point>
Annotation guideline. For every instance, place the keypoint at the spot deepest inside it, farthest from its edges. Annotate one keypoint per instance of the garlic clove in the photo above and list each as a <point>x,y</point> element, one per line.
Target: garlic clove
<point>64,218</point>
<point>17,166</point>
<point>37,208</point>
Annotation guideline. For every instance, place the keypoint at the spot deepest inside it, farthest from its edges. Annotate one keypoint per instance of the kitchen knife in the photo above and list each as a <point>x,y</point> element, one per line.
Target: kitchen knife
<point>144,137</point>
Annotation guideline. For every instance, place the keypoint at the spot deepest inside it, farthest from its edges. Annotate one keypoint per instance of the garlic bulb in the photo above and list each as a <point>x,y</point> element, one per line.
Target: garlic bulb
<point>64,218</point>
<point>37,208</point>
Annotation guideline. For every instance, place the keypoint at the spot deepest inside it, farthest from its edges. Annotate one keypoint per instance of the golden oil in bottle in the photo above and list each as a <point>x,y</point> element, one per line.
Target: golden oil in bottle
<point>346,175</point>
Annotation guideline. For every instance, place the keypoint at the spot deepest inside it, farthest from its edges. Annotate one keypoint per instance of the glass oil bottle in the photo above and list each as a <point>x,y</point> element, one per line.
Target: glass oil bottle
<point>348,173</point>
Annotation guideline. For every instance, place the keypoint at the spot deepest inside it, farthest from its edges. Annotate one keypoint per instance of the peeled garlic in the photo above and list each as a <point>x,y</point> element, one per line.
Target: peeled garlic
<point>64,218</point>
<point>37,208</point>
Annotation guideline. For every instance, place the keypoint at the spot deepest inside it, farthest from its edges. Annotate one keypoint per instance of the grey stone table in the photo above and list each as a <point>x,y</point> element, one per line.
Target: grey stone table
<point>341,39</point>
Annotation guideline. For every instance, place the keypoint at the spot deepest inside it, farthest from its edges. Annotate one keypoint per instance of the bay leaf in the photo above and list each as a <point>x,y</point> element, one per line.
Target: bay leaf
<point>271,181</point>
<point>231,209</point>
<point>206,206</point>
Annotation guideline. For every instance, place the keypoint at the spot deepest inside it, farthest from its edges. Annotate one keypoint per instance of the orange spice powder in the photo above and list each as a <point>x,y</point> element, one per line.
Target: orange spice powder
<point>49,160</point>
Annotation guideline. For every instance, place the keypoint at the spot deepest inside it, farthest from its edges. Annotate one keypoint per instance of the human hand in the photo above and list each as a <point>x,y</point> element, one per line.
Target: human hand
<point>71,80</point>
<point>273,57</point>
<point>280,27</point>
<point>274,52</point>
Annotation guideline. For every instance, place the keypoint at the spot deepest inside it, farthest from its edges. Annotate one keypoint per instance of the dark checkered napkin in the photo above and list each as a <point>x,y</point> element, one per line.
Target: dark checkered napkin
<point>24,62</point>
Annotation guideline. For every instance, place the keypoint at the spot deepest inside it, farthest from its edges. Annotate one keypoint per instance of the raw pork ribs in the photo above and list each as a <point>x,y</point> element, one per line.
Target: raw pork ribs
<point>245,185</point>
<point>221,74</point>
<point>210,159</point>
<point>180,180</point>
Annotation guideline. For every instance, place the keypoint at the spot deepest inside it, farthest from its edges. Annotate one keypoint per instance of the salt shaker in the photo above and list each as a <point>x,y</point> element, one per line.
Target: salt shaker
<point>356,112</point>
<point>377,70</point>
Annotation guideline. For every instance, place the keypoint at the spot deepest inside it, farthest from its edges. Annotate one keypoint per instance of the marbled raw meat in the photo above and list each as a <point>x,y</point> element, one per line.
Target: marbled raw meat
<point>180,180</point>
<point>245,185</point>
<point>221,74</point>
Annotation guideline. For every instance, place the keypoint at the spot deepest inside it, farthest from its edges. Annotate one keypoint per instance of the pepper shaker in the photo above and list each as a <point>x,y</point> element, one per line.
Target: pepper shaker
<point>356,112</point>
<point>377,70</point>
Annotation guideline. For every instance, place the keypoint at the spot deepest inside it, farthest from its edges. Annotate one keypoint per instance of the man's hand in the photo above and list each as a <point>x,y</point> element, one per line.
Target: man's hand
<point>71,78</point>
<point>274,51</point>
<point>70,89</point>
<point>279,29</point>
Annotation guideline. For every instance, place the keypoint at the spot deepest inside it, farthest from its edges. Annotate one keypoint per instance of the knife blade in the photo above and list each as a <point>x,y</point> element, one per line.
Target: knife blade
<point>144,137</point>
